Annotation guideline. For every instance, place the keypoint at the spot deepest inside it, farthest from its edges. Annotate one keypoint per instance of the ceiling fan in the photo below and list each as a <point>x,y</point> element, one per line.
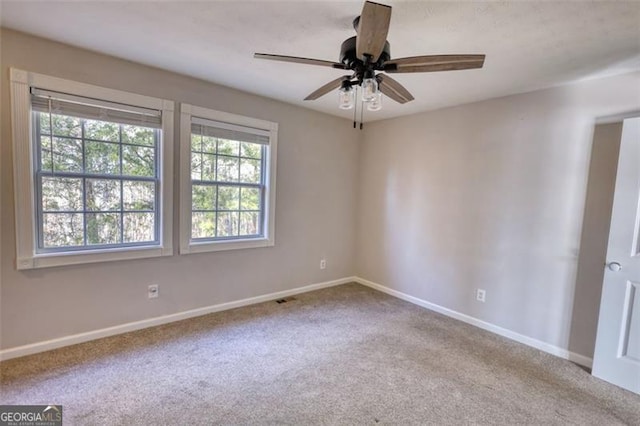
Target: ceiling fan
<point>369,52</point>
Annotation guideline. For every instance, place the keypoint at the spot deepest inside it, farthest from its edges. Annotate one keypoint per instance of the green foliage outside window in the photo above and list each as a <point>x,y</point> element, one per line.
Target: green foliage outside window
<point>97,182</point>
<point>227,186</point>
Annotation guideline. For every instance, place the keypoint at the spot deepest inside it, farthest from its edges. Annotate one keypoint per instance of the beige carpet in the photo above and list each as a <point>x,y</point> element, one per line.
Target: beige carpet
<point>344,355</point>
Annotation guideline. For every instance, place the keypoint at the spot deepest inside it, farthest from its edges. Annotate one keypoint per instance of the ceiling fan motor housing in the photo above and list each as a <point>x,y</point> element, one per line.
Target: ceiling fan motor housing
<point>349,57</point>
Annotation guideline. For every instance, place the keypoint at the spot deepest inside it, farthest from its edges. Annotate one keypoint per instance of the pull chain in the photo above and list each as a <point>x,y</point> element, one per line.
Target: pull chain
<point>355,106</point>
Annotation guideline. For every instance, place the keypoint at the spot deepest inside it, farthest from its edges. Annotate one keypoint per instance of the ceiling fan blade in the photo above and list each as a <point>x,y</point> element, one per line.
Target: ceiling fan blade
<point>434,63</point>
<point>373,27</point>
<point>298,60</point>
<point>332,85</point>
<point>393,89</point>
<point>435,59</point>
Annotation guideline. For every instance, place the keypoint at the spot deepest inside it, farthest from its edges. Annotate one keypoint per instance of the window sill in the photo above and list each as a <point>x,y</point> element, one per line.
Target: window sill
<point>91,256</point>
<point>209,246</point>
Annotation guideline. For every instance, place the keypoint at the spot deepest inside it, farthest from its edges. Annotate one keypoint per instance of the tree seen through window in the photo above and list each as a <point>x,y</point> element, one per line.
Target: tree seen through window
<point>227,188</point>
<point>97,182</point>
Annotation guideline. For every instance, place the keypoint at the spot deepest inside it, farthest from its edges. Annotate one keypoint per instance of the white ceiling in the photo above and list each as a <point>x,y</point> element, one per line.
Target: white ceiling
<point>529,45</point>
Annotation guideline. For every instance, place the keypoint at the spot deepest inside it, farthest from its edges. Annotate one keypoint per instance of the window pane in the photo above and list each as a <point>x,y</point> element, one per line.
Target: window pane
<point>61,194</point>
<point>250,171</point>
<point>138,195</point>
<point>196,166</point>
<point>103,158</point>
<point>102,130</point>
<point>228,197</point>
<point>44,123</point>
<point>203,197</point>
<point>46,158</point>
<point>250,199</point>
<point>208,167</point>
<point>67,155</point>
<point>227,224</point>
<point>98,207</point>
<point>228,168</point>
<point>102,194</point>
<point>196,142</point>
<point>227,147</point>
<point>62,229</point>
<point>252,150</point>
<point>203,225</point>
<point>249,223</point>
<point>209,144</point>
<point>138,135</point>
<point>103,228</point>
<point>138,227</point>
<point>66,126</point>
<point>137,161</point>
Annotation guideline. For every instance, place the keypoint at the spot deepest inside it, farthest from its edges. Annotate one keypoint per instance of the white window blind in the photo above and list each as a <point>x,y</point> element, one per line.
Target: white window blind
<point>93,109</point>
<point>221,130</point>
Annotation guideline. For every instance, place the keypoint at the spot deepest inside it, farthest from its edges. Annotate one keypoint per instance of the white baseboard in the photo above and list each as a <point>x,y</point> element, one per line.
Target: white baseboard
<point>543,346</point>
<point>48,345</point>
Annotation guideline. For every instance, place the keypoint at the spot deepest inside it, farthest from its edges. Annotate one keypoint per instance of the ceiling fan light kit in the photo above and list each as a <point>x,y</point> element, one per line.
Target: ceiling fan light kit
<point>346,97</point>
<point>376,103</point>
<point>369,87</point>
<point>369,52</point>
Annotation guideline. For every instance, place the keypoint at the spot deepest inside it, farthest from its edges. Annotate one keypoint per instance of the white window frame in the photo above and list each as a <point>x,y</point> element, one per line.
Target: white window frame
<point>268,239</point>
<point>24,182</point>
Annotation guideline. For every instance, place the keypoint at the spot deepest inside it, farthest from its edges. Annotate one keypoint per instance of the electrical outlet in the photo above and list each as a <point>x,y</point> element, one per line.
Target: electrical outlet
<point>323,264</point>
<point>153,291</point>
<point>480,295</point>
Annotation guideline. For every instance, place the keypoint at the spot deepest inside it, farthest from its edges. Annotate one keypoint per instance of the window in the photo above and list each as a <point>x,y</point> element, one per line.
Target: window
<point>228,181</point>
<point>96,178</point>
<point>93,168</point>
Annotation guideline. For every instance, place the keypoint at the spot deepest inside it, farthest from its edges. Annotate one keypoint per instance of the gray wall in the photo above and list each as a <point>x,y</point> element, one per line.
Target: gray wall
<point>315,212</point>
<point>488,195</point>
<point>491,195</point>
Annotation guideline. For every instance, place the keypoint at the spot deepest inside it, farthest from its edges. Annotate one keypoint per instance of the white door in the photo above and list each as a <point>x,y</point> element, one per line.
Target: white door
<point>617,353</point>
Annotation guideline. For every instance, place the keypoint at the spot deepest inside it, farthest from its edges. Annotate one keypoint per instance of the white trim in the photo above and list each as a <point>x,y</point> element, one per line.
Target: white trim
<point>48,345</point>
<point>25,217</point>
<point>22,169</point>
<point>187,112</point>
<point>74,339</point>
<point>185,179</point>
<point>47,260</point>
<point>227,117</point>
<point>166,179</point>
<point>529,341</point>
<point>617,118</point>
<point>221,245</point>
<point>87,90</point>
